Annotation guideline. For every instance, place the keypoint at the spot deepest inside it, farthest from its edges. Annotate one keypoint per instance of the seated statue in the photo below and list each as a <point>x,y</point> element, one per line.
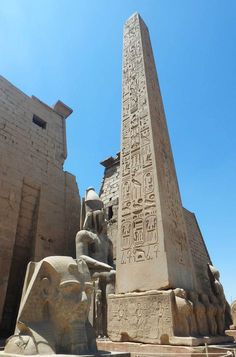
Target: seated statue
<point>224,318</point>
<point>94,246</point>
<point>53,313</point>
<point>199,310</point>
<point>92,242</point>
<point>233,313</point>
<point>211,314</point>
<point>185,319</point>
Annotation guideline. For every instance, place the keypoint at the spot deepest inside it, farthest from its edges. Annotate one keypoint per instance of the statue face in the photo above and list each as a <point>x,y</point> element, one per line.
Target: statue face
<point>70,301</point>
<point>56,302</point>
<point>73,301</point>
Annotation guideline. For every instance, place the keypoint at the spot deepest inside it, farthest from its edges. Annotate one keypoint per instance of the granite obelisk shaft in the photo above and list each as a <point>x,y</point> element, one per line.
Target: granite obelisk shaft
<point>152,248</point>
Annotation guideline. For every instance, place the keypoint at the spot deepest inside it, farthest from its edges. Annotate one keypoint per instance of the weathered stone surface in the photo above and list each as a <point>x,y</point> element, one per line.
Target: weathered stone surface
<point>53,314</point>
<point>142,317</point>
<point>152,238</point>
<point>39,202</point>
<point>160,317</point>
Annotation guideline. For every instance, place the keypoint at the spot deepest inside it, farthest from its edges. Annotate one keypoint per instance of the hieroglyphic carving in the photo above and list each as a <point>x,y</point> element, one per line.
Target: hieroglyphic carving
<point>126,230</point>
<point>125,166</point>
<point>151,227</point>
<point>138,254</point>
<point>140,316</point>
<point>139,238</point>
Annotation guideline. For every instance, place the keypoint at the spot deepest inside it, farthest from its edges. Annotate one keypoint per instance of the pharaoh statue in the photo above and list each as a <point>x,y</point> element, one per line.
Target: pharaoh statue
<point>200,314</point>
<point>211,314</point>
<point>186,323</point>
<point>92,242</point>
<point>53,313</point>
<point>94,246</point>
<point>233,312</point>
<point>223,315</point>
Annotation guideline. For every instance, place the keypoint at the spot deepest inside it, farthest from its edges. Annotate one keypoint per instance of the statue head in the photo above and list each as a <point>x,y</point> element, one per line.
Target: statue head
<point>180,293</point>
<point>92,200</point>
<point>95,216</point>
<point>55,304</point>
<point>214,272</point>
<point>60,288</point>
<point>233,312</point>
<point>233,307</point>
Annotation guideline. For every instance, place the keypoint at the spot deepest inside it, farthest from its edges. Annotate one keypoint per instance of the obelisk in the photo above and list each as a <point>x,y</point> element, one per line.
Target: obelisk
<point>157,298</point>
<point>152,249</point>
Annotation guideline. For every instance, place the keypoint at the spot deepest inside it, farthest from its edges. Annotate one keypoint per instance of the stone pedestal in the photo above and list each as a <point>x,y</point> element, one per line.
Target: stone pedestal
<point>141,317</point>
<point>153,317</point>
<point>147,350</point>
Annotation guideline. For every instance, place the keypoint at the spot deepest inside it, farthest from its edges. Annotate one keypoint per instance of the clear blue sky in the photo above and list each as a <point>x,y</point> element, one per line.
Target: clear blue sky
<point>72,50</point>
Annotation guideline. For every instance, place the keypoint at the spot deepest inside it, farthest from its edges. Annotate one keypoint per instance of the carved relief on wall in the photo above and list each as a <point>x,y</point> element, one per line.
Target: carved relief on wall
<point>147,317</point>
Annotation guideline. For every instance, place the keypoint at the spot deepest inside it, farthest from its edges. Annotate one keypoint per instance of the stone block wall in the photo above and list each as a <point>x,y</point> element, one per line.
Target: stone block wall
<point>39,202</point>
<point>109,194</point>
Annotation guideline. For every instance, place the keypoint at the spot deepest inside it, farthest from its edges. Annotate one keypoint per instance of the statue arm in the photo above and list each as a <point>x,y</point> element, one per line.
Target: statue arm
<point>82,241</point>
<point>96,264</point>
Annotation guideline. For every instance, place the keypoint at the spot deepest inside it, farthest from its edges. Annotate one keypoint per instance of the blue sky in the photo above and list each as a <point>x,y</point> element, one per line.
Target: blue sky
<point>72,50</point>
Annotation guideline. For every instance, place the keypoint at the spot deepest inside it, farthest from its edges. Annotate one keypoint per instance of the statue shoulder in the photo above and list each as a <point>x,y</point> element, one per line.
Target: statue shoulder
<point>85,236</point>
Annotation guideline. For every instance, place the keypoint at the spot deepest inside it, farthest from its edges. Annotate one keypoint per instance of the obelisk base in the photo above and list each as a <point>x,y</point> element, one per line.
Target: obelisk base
<point>155,317</point>
<point>148,350</point>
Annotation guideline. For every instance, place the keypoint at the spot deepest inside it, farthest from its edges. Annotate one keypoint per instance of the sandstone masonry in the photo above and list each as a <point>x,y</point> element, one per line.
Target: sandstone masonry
<point>39,202</point>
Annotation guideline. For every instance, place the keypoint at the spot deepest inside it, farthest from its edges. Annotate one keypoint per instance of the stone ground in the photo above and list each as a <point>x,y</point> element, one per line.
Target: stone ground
<point>146,350</point>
